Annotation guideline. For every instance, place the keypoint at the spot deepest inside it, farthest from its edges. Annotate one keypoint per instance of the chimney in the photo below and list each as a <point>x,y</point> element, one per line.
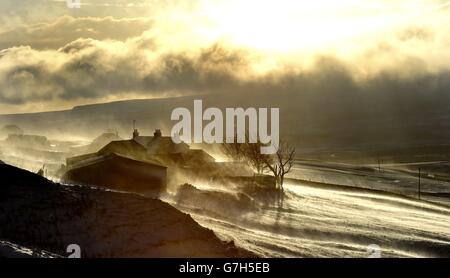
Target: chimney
<point>135,133</point>
<point>157,133</point>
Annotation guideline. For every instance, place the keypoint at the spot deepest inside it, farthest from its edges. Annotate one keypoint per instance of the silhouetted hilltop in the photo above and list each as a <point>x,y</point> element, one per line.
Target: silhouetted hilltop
<point>40,214</point>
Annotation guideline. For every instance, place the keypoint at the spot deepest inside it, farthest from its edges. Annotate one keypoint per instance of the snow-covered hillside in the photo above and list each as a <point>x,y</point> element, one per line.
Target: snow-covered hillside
<point>326,222</point>
<point>47,216</point>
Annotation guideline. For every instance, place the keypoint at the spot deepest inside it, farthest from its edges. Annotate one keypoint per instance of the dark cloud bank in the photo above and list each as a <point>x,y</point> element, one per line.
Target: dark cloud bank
<point>325,106</point>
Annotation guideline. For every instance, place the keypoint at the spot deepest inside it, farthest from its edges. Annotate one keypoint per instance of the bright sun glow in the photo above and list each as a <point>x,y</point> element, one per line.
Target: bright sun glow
<point>283,25</point>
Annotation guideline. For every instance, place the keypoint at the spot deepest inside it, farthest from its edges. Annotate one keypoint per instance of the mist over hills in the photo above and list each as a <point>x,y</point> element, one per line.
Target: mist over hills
<point>312,122</point>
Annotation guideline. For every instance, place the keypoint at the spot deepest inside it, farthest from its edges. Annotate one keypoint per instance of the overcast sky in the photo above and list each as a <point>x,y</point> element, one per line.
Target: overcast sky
<point>53,57</point>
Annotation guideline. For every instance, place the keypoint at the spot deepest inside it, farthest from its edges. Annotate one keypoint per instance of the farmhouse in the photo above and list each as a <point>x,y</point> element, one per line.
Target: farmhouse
<point>140,164</point>
<point>121,165</point>
<point>118,172</point>
<point>159,144</point>
<point>149,164</point>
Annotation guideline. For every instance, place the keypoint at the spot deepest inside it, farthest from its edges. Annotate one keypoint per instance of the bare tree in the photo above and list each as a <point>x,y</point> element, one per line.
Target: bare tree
<point>249,153</point>
<point>254,158</point>
<point>234,151</point>
<point>280,163</point>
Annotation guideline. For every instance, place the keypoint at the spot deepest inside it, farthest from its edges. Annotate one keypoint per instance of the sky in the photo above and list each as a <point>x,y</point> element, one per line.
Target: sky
<point>53,57</point>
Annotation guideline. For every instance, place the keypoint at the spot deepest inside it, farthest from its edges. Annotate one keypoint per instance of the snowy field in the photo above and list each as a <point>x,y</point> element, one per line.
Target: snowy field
<point>399,178</point>
<point>336,212</point>
<point>333,210</point>
<point>334,223</point>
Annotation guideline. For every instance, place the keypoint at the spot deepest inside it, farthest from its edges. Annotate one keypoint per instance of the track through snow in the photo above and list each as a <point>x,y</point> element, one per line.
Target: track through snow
<point>319,222</point>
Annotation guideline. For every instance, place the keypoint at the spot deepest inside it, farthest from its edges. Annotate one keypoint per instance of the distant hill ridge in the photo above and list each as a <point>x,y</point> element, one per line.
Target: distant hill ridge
<point>344,122</point>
